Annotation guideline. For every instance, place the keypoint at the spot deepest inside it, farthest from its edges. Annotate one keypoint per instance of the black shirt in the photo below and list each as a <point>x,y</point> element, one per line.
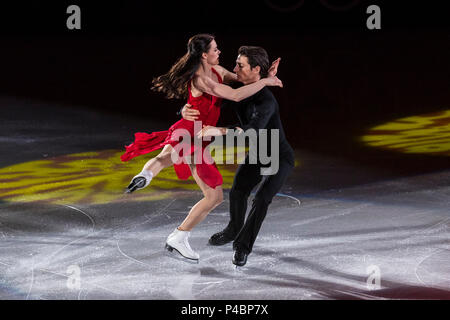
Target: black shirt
<point>260,111</point>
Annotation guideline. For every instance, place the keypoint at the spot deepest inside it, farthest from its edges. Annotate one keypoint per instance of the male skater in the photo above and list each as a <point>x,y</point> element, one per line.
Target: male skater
<point>259,111</point>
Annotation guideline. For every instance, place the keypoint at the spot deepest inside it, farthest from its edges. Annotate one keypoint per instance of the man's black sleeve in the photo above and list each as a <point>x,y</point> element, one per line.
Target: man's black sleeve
<point>265,107</point>
<point>233,126</point>
<point>227,104</point>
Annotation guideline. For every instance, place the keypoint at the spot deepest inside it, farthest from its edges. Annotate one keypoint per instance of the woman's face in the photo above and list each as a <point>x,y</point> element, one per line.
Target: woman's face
<point>212,56</point>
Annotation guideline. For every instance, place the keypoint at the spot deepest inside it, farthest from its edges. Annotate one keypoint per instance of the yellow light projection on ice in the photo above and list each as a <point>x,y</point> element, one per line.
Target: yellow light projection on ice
<point>94,178</point>
<point>428,133</point>
<point>99,177</point>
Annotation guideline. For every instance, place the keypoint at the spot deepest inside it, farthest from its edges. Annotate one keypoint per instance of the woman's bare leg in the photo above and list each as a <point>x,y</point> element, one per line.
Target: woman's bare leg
<point>212,198</point>
<point>161,161</point>
<point>151,169</point>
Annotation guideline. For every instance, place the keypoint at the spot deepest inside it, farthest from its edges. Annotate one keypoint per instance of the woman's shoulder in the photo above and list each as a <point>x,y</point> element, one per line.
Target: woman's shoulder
<point>194,86</point>
<point>220,70</point>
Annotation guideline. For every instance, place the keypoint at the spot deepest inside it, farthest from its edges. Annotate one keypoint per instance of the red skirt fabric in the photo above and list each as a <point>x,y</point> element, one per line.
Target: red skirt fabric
<point>205,166</point>
<point>209,107</point>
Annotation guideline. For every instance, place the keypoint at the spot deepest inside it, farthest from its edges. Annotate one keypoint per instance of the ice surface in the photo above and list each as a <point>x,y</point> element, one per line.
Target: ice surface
<point>332,245</point>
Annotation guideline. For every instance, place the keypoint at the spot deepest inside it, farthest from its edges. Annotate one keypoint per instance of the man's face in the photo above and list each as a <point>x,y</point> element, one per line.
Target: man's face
<point>244,72</point>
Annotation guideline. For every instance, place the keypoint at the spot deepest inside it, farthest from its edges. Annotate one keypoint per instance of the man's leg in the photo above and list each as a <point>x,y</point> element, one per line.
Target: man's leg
<point>246,178</point>
<point>264,195</point>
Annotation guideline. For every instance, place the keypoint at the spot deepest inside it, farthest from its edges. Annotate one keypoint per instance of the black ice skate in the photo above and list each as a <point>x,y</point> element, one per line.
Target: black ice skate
<point>139,182</point>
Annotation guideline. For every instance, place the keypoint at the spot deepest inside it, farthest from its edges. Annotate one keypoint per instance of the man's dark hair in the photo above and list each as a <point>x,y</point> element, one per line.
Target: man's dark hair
<point>256,56</point>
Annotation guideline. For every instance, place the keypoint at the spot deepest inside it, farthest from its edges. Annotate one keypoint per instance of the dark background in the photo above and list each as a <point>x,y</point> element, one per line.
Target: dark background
<point>340,78</point>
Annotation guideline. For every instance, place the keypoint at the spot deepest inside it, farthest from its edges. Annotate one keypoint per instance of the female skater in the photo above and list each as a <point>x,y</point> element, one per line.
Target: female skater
<point>197,76</point>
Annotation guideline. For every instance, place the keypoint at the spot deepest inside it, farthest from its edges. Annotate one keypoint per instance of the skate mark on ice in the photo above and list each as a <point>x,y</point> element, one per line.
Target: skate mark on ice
<point>160,212</point>
<point>49,259</point>
<point>128,228</point>
<point>84,281</point>
<point>7,265</point>
<point>87,215</point>
<point>290,197</point>
<point>31,282</point>
<point>422,261</point>
<point>131,258</point>
<point>284,196</point>
<point>341,214</point>
<point>61,275</point>
<point>183,288</point>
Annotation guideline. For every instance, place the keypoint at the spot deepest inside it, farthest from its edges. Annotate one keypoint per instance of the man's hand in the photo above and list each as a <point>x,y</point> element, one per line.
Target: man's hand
<point>210,131</point>
<point>188,113</point>
<point>239,130</point>
<point>274,68</point>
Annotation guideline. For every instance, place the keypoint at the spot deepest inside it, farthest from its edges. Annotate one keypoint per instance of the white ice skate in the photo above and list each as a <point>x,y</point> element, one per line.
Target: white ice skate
<point>140,181</point>
<point>178,240</point>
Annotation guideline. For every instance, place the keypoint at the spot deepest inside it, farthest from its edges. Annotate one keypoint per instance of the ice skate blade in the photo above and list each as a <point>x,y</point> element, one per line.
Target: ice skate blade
<point>136,184</point>
<point>128,191</point>
<point>239,269</point>
<point>175,254</point>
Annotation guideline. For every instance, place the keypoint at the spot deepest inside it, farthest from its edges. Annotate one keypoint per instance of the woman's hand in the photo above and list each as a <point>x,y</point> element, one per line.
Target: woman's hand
<point>273,82</point>
<point>210,131</point>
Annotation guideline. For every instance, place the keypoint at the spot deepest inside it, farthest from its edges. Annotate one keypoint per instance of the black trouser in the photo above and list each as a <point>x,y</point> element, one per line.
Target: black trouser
<point>246,178</point>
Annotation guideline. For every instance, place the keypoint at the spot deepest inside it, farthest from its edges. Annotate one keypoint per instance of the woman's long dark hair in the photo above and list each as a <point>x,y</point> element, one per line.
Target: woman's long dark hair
<point>174,83</point>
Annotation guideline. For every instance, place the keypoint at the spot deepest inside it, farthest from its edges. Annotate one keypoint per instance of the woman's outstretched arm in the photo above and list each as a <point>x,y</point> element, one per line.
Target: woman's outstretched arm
<point>205,84</point>
<point>226,75</point>
<point>229,77</point>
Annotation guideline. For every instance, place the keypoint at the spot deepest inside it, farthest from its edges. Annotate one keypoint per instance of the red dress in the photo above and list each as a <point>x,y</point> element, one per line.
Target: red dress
<point>209,107</point>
